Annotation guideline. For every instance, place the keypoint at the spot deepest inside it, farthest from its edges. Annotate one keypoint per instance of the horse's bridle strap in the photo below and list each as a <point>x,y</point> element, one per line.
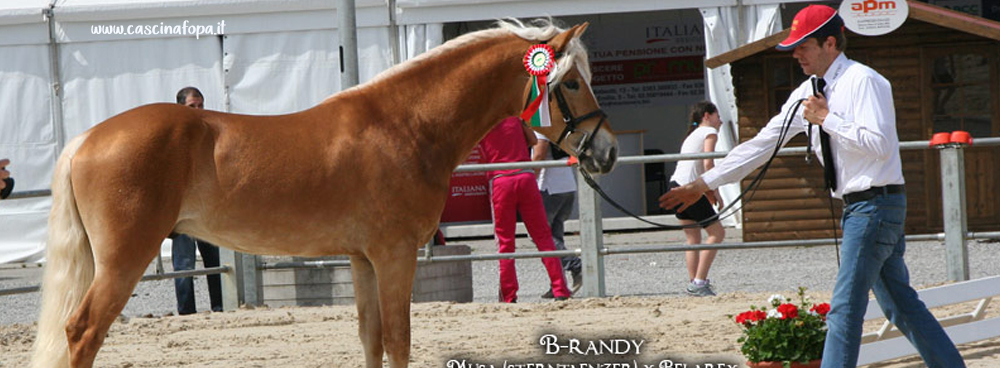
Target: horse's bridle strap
<point>572,121</point>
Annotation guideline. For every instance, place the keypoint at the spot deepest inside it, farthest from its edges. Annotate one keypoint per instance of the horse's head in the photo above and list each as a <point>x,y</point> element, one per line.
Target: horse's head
<point>579,126</point>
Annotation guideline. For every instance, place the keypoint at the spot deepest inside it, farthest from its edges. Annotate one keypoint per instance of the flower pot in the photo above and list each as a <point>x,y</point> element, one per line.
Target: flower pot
<point>812,364</point>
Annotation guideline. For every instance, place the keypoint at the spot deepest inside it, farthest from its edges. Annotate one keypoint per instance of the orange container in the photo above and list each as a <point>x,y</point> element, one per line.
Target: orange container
<point>940,138</point>
<point>960,136</point>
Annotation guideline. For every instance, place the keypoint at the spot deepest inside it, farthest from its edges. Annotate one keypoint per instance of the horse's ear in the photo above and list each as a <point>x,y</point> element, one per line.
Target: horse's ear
<point>560,41</point>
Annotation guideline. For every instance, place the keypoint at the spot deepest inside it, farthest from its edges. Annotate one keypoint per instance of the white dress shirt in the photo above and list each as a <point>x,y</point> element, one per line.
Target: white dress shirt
<point>861,124</point>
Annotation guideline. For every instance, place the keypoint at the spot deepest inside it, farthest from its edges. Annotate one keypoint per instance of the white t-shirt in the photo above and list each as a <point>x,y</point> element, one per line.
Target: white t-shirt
<point>689,170</point>
<point>555,180</point>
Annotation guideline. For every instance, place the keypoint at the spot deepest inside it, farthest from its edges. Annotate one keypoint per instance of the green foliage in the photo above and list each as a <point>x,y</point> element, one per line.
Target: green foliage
<point>786,332</point>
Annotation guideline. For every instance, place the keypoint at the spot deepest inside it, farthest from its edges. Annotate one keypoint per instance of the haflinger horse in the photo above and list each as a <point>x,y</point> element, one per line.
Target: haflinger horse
<point>365,173</point>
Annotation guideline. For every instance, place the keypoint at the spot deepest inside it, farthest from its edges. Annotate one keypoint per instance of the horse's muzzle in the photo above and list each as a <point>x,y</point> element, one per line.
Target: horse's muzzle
<point>600,158</point>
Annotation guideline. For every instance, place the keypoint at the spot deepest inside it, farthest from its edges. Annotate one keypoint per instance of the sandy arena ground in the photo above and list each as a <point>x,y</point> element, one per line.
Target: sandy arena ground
<point>679,329</point>
<point>651,308</point>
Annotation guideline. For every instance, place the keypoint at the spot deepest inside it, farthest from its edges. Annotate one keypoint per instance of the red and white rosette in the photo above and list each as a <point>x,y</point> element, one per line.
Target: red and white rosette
<point>540,60</point>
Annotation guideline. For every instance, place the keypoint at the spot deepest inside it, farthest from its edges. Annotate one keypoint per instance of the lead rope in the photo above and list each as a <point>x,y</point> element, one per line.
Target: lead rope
<point>751,188</point>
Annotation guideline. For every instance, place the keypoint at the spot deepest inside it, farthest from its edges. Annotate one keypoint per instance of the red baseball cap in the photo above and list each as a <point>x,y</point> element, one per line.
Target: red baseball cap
<point>813,21</point>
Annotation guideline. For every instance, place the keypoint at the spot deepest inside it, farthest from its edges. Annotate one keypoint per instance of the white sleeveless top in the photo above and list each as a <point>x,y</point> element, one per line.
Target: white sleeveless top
<point>689,170</point>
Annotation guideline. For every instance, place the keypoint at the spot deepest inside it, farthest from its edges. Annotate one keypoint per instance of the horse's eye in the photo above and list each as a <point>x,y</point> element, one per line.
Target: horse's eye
<point>572,84</point>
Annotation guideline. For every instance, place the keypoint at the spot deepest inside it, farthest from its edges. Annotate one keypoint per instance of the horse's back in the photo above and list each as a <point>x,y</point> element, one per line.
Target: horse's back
<point>309,183</point>
<point>132,168</point>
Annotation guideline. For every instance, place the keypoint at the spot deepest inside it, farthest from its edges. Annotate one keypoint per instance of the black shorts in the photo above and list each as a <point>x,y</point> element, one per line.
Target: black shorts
<point>697,212</point>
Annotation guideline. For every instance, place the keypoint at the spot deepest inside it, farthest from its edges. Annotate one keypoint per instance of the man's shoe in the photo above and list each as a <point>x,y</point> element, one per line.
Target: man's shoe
<point>547,295</point>
<point>700,290</point>
<point>577,280</point>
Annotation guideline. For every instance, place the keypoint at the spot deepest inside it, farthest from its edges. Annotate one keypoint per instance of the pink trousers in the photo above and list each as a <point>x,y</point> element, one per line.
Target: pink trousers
<point>510,195</point>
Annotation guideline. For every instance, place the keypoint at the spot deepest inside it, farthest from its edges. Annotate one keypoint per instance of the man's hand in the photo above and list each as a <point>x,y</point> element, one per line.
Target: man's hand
<point>815,109</point>
<point>4,174</point>
<point>683,196</point>
<point>539,152</point>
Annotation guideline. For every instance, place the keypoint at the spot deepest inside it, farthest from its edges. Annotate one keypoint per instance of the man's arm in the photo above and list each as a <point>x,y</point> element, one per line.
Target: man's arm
<point>874,115</point>
<point>4,174</point>
<point>539,152</point>
<point>529,135</point>
<point>741,160</point>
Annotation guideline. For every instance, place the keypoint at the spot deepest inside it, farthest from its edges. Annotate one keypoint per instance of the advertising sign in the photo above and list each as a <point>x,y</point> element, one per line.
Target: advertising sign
<point>468,198</point>
<point>648,62</point>
<point>973,7</point>
<point>873,17</point>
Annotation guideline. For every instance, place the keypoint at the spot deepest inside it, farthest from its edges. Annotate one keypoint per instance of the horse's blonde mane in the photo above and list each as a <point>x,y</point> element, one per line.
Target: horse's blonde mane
<point>541,29</point>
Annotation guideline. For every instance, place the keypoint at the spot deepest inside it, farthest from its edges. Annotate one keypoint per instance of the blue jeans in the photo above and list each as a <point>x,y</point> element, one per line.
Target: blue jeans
<point>183,258</point>
<point>872,259</point>
<point>558,207</point>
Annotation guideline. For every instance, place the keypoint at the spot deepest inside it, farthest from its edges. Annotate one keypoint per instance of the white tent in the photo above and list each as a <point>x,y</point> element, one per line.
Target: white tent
<point>257,67</point>
<point>91,59</point>
<point>27,134</point>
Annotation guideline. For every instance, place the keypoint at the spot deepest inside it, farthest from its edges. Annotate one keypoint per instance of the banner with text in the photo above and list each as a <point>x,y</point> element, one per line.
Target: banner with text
<point>649,62</point>
<point>468,199</point>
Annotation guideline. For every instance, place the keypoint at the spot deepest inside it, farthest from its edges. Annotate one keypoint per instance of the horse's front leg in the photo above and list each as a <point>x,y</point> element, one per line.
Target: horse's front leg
<point>369,320</point>
<point>395,270</point>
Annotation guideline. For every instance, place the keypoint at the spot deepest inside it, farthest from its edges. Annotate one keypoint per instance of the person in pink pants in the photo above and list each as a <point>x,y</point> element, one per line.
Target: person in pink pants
<point>515,191</point>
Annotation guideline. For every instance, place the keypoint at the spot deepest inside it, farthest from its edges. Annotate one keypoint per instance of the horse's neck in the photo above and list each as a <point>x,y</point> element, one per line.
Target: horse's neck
<point>452,100</point>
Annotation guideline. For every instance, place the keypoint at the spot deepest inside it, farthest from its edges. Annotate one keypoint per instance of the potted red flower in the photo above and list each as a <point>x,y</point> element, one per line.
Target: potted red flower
<point>784,334</point>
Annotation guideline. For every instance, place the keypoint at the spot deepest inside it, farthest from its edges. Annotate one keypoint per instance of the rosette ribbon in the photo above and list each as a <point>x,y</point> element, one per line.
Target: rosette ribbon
<point>539,62</point>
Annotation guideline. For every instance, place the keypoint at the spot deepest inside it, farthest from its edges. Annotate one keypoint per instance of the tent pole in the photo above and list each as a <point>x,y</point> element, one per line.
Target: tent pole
<point>55,103</point>
<point>394,33</point>
<point>348,29</point>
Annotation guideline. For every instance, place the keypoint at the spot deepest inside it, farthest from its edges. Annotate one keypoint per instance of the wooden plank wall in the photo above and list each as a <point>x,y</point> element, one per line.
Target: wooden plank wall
<point>791,202</point>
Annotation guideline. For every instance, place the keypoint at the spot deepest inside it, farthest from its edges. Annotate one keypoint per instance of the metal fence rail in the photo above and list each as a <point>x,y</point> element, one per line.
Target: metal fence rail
<point>622,250</point>
<point>150,277</point>
<point>242,272</point>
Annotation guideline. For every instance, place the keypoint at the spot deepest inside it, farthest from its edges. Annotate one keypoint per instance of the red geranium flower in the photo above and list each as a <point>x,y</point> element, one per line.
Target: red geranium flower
<point>799,334</point>
<point>788,311</point>
<point>742,318</point>
<point>821,309</point>
<point>747,317</point>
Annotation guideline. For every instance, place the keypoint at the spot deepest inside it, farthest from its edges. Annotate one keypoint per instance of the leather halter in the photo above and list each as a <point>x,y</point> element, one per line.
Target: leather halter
<point>572,121</point>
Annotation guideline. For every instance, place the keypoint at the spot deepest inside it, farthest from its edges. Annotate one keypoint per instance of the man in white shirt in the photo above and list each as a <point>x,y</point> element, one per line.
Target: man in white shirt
<point>558,188</point>
<point>863,168</point>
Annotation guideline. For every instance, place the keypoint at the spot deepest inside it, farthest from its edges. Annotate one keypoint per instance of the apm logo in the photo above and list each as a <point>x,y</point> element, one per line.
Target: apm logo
<point>872,5</point>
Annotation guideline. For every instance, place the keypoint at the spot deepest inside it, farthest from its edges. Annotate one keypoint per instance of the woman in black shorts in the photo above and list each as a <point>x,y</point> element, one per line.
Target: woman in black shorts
<point>701,137</point>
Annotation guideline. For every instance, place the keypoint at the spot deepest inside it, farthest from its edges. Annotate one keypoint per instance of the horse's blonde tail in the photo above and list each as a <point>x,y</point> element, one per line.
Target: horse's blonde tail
<point>69,270</point>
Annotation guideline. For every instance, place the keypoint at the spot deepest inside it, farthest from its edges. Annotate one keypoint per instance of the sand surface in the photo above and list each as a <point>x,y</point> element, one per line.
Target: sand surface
<point>688,330</point>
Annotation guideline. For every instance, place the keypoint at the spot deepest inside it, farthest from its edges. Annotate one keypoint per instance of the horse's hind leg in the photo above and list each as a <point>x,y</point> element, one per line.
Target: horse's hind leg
<point>369,319</point>
<point>119,266</point>
<point>395,270</point>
